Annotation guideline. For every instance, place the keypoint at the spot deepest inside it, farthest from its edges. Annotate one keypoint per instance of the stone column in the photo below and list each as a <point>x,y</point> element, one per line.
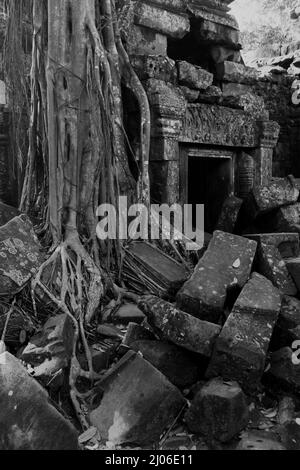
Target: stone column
<point>268,138</point>
<point>168,108</point>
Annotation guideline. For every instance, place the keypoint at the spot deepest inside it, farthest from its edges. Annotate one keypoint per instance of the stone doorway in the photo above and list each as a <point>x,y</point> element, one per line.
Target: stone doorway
<point>207,177</point>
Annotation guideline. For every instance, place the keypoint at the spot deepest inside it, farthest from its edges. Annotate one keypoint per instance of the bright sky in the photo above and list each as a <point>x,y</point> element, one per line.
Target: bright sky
<point>246,11</point>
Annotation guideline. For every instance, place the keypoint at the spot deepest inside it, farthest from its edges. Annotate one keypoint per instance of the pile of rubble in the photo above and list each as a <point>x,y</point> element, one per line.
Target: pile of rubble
<point>203,359</point>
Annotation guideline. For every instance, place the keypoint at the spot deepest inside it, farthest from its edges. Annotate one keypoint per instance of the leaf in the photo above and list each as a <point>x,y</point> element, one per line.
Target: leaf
<point>88,435</point>
<point>237,263</point>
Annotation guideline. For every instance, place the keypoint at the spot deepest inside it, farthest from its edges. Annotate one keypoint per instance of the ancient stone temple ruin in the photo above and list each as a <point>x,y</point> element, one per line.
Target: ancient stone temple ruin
<point>211,134</point>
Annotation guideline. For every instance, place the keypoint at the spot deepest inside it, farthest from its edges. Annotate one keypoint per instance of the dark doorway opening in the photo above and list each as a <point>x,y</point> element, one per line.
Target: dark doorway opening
<point>210,182</point>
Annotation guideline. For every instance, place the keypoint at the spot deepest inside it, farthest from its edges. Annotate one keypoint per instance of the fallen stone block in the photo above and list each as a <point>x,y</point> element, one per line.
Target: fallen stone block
<point>293,266</point>
<point>259,441</point>
<point>287,219</point>
<point>28,420</point>
<point>7,213</point>
<point>229,214</point>
<point>20,254</point>
<point>180,328</point>
<point>278,193</point>
<point>179,366</point>
<point>136,332</point>
<point>219,411</point>
<point>226,265</point>
<point>48,353</point>
<point>138,403</point>
<point>240,350</point>
<point>148,269</point>
<point>271,265</point>
<point>284,372</point>
<point>287,243</point>
<point>287,329</point>
<point>236,73</point>
<point>190,95</point>
<point>128,313</point>
<point>193,77</point>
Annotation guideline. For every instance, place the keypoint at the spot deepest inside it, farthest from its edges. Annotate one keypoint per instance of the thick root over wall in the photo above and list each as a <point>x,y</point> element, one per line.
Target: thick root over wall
<point>77,155</point>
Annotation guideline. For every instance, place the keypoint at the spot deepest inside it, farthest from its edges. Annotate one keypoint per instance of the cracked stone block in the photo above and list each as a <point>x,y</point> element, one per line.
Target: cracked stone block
<point>28,420</point>
<point>49,352</point>
<point>229,214</point>
<point>179,366</point>
<point>219,411</point>
<point>226,265</point>
<point>7,213</point>
<point>293,266</point>
<point>241,349</point>
<point>271,265</point>
<point>179,327</point>
<point>138,403</point>
<point>20,254</point>
<point>287,243</point>
<point>278,193</point>
<point>259,441</point>
<point>193,77</point>
<point>284,373</point>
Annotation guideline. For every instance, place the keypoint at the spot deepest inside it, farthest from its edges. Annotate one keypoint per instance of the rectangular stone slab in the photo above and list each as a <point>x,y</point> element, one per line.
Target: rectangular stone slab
<point>179,327</point>
<point>278,193</point>
<point>240,350</point>
<point>226,264</point>
<point>28,420</point>
<point>138,403</point>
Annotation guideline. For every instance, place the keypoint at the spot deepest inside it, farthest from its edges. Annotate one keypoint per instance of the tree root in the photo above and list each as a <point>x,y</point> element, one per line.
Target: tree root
<point>78,295</point>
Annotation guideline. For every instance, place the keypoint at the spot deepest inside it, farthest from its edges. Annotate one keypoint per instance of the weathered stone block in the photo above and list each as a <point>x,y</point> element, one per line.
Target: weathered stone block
<point>287,219</point>
<point>214,33</point>
<point>279,193</point>
<point>190,95</point>
<point>138,403</point>
<point>288,326</point>
<point>293,266</point>
<point>28,420</point>
<point>219,411</point>
<point>271,265</point>
<point>287,243</point>
<point>179,366</point>
<point>284,373</point>
<point>7,213</point>
<point>241,349</point>
<point>156,67</point>
<point>236,73</point>
<point>135,333</point>
<point>229,214</point>
<point>179,327</point>
<point>194,77</point>
<point>226,265</point>
<point>129,313</point>
<point>20,254</point>
<point>146,42</point>
<point>163,21</point>
<point>50,351</point>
